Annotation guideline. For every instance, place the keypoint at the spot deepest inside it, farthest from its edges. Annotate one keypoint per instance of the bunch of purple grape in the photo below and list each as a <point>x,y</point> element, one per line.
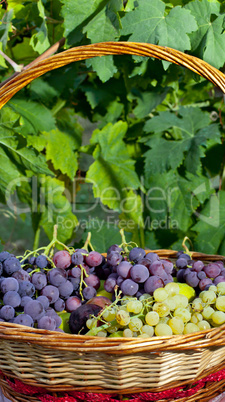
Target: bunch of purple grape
<point>197,274</point>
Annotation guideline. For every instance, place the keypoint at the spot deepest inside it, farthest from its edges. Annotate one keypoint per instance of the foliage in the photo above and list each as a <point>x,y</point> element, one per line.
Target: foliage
<point>152,160</point>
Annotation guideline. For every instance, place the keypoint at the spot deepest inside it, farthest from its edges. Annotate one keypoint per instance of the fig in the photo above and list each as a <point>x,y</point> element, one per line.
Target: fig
<point>79,317</point>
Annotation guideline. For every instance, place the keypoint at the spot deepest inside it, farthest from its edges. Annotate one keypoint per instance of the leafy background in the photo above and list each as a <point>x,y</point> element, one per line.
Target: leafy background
<point>113,141</point>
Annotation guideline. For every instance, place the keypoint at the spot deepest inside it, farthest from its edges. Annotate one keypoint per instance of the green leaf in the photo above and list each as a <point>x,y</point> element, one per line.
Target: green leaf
<point>194,129</point>
<point>149,23</point>
<point>39,41</point>
<point>5,27</point>
<point>24,53</point>
<point>57,210</point>
<point>211,224</point>
<point>147,101</point>
<point>36,116</point>
<point>42,90</point>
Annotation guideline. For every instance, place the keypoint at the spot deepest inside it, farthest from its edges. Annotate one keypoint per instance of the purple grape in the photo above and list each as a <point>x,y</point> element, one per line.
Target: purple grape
<point>66,289</point>
<point>62,259</point>
<point>110,284</point>
<point>212,270</point>
<point>7,312</point>
<point>41,261</point>
<point>152,257</point>
<point>180,276</point>
<point>12,298</point>
<point>123,269</point>
<point>136,254</point>
<point>181,263</point>
<point>168,266</point>
<point>35,309</point>
<point>46,322</point>
<point>75,282</point>
<point>89,292</point>
<point>185,256</point>
<point>201,275</point>
<point>50,312</point>
<point>72,303</point>
<point>51,292</point>
<point>218,279</point>
<point>21,275</point>
<point>4,255</point>
<point>198,266</point>
<point>9,284</point>
<point>77,258</point>
<point>24,319</point>
<point>192,279</point>
<point>44,300</point>
<point>75,272</point>
<point>57,276</point>
<point>156,268</point>
<point>114,258</point>
<point>10,265</point>
<point>103,271</point>
<point>24,300</point>
<point>153,282</point>
<point>119,280</point>
<point>93,259</point>
<point>26,288</point>
<point>186,271</point>
<point>145,261</point>
<point>92,280</point>
<point>59,305</point>
<point>168,279</point>
<point>220,264</point>
<point>113,275</point>
<point>129,287</point>
<point>139,273</point>
<point>39,280</point>
<point>114,247</point>
<point>222,272</point>
<point>1,268</point>
<point>204,282</point>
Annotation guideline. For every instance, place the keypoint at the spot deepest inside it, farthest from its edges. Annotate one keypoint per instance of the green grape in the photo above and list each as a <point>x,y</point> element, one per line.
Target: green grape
<point>160,294</point>
<point>207,312</point>
<point>127,333</point>
<point>213,288</point>
<point>220,303</point>
<point>135,324</point>
<point>177,325</point>
<point>203,325</point>
<point>90,322</point>
<point>109,315</point>
<point>125,299</point>
<point>182,313</point>
<point>197,304</point>
<point>221,288</point>
<point>112,329</point>
<point>152,318</point>
<point>196,317</point>
<point>102,333</point>
<point>161,308</point>
<point>218,317</point>
<point>148,329</point>
<point>145,296</point>
<point>172,289</point>
<point>164,320</point>
<point>134,306</point>
<point>143,335</point>
<point>209,297</point>
<point>190,328</point>
<point>181,301</point>
<point>163,330</point>
<point>116,334</point>
<point>122,317</point>
<point>171,302</point>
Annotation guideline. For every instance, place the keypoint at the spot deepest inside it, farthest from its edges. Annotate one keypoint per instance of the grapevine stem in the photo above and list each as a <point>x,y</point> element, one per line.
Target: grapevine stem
<point>185,246</point>
<point>87,242</point>
<point>124,243</point>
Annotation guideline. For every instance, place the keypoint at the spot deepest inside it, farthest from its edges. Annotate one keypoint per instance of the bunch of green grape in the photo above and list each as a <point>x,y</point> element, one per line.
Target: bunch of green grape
<point>165,313</point>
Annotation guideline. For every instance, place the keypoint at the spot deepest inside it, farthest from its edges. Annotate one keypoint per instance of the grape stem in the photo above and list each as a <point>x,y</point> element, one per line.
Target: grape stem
<point>88,242</point>
<point>185,246</point>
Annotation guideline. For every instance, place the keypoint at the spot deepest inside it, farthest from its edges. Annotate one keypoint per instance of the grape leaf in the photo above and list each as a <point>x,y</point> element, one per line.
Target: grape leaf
<point>5,26</point>
<point>148,101</point>
<point>36,116</point>
<point>149,23</point>
<point>209,39</point>
<point>39,41</point>
<point>211,224</point>
<point>194,129</point>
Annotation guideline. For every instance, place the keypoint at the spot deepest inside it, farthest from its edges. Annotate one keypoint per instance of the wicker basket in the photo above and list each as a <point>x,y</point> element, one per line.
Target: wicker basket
<point>35,362</point>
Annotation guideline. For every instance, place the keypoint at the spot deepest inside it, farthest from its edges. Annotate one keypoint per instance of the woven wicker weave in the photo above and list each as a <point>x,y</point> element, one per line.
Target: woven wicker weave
<point>61,362</point>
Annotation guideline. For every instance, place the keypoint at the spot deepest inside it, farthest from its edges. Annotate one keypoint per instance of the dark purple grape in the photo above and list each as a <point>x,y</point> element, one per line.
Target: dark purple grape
<point>44,300</point>
<point>24,319</point>
<point>93,259</point>
<point>152,257</point>
<point>4,255</point>
<point>9,284</point>
<point>156,268</point>
<point>92,280</point>
<point>168,279</point>
<point>59,305</point>
<point>35,309</point>
<point>129,287</point>
<point>185,256</point>
<point>204,282</point>
<point>114,258</point>
<point>75,282</point>
<point>180,276</point>
<point>62,259</point>
<point>123,269</point>
<point>110,284</point>
<point>153,283</point>
<point>212,270</point>
<point>7,312</point>
<point>136,254</point>
<point>26,288</point>
<point>103,271</point>
<point>46,322</point>
<point>119,280</point>
<point>24,300</point>
<point>50,312</point>
<point>39,280</point>
<point>114,247</point>
<point>51,292</point>
<point>11,265</point>
<point>139,273</point>
<point>145,261</point>
<point>57,276</point>
<point>66,289</point>
<point>89,292</point>
<point>201,275</point>
<point>41,261</point>
<point>21,275</point>
<point>1,268</point>
<point>192,279</point>
<point>186,271</point>
<point>32,260</point>
<point>181,263</point>
<point>72,303</point>
<point>113,275</point>
<point>198,266</point>
<point>218,279</point>
<point>77,258</point>
<point>75,272</point>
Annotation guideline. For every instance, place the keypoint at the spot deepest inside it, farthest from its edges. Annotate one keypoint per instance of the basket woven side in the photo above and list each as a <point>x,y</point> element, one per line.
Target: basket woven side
<point>111,48</point>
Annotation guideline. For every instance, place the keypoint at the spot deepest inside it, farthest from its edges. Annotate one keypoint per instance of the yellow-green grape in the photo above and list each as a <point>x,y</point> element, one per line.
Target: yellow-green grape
<point>171,302</point>
<point>143,335</point>
<point>160,294</point>
<point>112,329</point>
<point>127,333</point>
<point>152,318</point>
<point>164,320</point>
<point>148,329</point>
<point>123,307</point>
<point>220,303</point>
<point>135,324</point>
<point>122,317</point>
<point>90,322</point>
<point>209,297</point>
<point>221,288</point>
<point>213,288</point>
<point>126,299</point>
<point>134,306</point>
<point>145,296</point>
<point>102,333</point>
<point>201,294</point>
<point>182,313</point>
<point>196,317</point>
<point>172,289</point>
<point>177,325</point>
<point>181,301</point>
<point>218,317</point>
<point>161,308</point>
<point>116,334</point>
<point>207,312</point>
<point>190,328</point>
<point>163,330</point>
<point>203,325</point>
<point>135,334</point>
<point>109,315</point>
<point>197,305</point>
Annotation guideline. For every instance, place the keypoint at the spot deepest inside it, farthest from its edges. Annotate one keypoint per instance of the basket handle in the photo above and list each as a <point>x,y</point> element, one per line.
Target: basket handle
<point>110,48</point>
